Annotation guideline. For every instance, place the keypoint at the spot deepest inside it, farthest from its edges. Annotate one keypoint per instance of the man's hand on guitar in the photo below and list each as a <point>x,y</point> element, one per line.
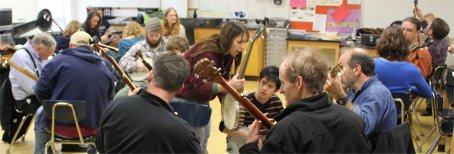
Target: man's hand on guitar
<point>141,67</point>
<point>135,91</point>
<point>334,87</point>
<point>237,83</point>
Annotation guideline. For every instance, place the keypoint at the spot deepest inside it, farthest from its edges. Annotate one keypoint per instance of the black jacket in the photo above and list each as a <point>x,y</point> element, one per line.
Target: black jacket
<point>314,125</point>
<point>144,124</point>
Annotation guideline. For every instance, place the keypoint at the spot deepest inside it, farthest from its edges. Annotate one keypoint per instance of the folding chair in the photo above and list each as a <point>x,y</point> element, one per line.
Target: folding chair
<point>64,112</point>
<point>443,120</point>
<point>26,120</point>
<point>195,114</point>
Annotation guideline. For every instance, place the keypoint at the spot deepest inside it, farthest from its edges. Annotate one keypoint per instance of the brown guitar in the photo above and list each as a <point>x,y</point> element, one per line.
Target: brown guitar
<point>5,61</point>
<point>96,46</point>
<point>205,69</point>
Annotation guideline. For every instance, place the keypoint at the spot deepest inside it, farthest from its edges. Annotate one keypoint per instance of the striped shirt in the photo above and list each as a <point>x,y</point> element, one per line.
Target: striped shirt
<point>273,107</point>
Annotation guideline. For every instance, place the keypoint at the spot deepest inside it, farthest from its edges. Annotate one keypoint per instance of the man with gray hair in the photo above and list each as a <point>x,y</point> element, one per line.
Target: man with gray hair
<point>310,123</point>
<point>32,57</point>
<point>145,123</point>
<point>365,95</point>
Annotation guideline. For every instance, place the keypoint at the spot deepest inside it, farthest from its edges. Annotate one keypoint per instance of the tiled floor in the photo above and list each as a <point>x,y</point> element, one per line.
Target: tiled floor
<point>217,142</point>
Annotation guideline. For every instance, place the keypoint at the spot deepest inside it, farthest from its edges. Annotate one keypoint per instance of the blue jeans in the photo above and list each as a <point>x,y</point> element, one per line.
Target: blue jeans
<point>42,136</point>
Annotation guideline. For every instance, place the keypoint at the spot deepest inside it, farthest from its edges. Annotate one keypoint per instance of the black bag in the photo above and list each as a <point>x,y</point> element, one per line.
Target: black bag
<point>28,105</point>
<point>10,119</point>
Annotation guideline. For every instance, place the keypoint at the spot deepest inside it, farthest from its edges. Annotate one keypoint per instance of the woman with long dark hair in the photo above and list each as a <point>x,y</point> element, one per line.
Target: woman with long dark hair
<point>222,49</point>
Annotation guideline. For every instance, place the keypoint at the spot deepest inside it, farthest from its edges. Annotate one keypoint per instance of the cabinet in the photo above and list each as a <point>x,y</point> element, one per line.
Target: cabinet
<point>327,49</point>
<point>256,58</point>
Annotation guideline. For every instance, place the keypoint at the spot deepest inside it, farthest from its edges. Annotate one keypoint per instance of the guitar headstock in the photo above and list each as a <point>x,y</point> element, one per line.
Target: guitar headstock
<point>139,54</point>
<point>3,62</point>
<point>205,68</point>
<point>337,70</point>
<point>258,32</point>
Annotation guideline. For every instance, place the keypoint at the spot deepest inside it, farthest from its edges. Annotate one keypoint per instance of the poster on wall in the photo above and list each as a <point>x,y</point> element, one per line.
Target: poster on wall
<point>347,25</point>
<point>357,2</point>
<point>329,2</point>
<point>303,14</point>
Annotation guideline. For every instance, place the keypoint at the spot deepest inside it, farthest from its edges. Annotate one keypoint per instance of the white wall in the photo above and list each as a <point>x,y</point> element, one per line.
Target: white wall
<point>375,13</point>
<point>253,8</point>
<point>23,10</point>
<point>381,13</point>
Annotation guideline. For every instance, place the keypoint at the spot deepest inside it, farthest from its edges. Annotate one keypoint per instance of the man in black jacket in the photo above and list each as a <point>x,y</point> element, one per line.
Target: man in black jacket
<point>310,123</point>
<point>146,123</point>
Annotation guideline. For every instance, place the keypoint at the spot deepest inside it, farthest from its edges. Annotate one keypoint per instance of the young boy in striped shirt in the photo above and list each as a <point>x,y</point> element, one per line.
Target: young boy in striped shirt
<point>264,99</point>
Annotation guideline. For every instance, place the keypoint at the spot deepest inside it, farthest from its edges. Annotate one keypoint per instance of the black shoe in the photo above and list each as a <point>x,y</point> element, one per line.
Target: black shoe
<point>73,148</point>
<point>426,112</point>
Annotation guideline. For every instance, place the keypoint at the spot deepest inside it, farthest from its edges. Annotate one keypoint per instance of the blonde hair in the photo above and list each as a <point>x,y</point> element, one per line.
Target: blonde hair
<point>133,29</point>
<point>176,42</point>
<point>169,29</point>
<point>71,28</point>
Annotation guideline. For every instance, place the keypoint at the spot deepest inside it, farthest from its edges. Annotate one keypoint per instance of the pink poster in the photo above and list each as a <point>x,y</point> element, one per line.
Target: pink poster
<point>298,3</point>
<point>345,26</point>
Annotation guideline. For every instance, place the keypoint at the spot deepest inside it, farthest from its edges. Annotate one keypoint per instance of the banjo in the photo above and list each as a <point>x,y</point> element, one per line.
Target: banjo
<point>233,113</point>
<point>141,75</point>
<point>206,69</point>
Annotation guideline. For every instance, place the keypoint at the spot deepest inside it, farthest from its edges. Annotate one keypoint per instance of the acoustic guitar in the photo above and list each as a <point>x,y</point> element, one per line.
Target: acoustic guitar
<point>206,69</point>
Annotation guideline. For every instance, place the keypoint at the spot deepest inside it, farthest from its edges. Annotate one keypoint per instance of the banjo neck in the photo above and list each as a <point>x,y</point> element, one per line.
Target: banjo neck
<point>139,56</point>
<point>128,81</point>
<point>3,60</point>
<point>246,59</point>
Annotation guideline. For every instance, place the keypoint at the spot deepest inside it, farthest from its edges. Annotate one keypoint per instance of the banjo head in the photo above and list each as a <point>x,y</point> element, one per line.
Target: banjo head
<point>232,113</point>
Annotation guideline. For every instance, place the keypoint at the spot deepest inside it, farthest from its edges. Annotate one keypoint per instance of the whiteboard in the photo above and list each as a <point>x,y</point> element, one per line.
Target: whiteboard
<point>180,5</point>
<point>381,13</point>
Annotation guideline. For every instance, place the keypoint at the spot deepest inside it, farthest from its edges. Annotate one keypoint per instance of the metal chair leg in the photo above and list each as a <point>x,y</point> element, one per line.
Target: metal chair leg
<point>432,147</point>
<point>21,124</point>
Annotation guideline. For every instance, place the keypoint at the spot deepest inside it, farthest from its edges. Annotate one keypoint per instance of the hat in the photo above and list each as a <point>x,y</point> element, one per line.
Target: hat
<point>153,25</point>
<point>80,38</point>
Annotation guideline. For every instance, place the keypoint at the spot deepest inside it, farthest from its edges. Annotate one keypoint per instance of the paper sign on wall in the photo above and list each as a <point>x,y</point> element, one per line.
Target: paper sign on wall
<point>319,23</point>
<point>298,3</point>
<point>340,13</point>
<point>329,2</point>
<point>347,25</point>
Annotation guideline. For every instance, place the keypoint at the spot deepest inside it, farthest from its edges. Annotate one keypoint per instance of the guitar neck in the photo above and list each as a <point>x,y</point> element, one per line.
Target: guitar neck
<point>145,63</point>
<point>22,70</point>
<point>245,60</point>
<point>251,108</point>
<point>118,68</point>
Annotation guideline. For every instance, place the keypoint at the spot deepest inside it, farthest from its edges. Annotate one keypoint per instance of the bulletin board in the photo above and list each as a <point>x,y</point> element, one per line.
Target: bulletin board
<point>341,16</point>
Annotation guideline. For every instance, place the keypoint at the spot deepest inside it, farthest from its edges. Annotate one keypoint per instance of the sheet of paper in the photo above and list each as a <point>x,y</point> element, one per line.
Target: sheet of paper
<point>298,3</point>
<point>353,1</point>
<point>329,2</point>
<point>320,23</point>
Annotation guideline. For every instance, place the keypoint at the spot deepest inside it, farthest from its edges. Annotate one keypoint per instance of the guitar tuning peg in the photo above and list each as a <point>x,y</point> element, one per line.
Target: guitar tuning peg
<point>212,61</point>
<point>205,81</point>
<point>196,76</point>
<point>219,69</point>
